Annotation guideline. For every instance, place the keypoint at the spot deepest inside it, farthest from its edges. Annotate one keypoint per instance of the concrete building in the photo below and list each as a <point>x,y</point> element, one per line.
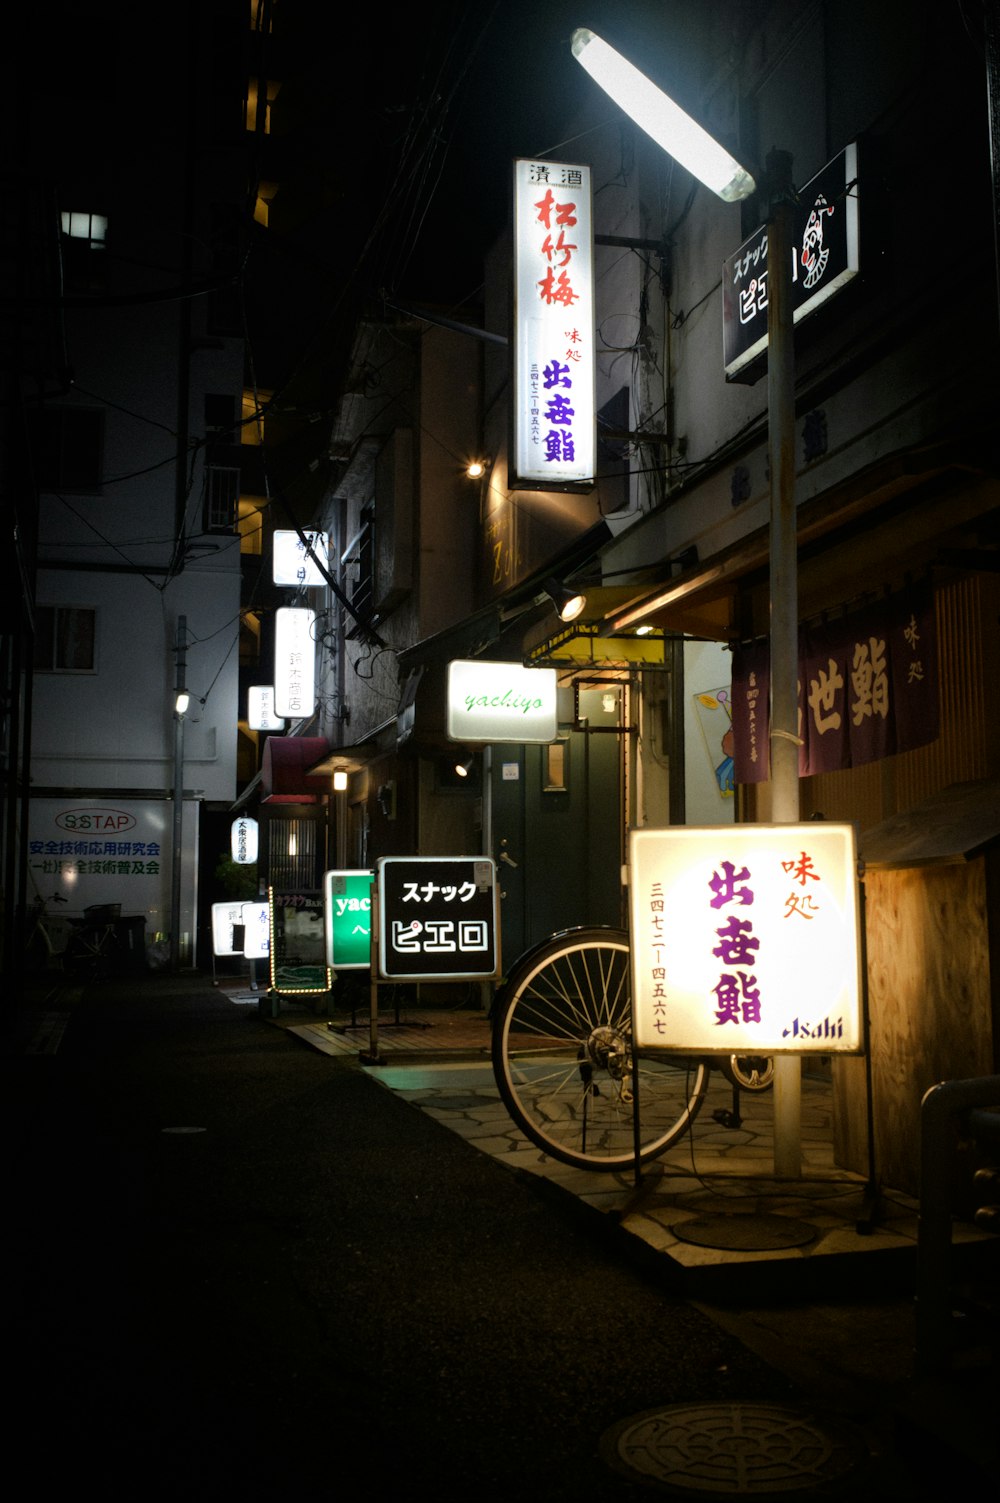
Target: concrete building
<point>122,454</point>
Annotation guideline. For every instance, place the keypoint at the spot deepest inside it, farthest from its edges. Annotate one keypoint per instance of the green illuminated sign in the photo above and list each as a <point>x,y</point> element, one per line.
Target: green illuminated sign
<point>347,901</point>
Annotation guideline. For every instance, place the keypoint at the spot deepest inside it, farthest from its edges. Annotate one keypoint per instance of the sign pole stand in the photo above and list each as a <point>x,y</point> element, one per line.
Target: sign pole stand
<point>871,1200</point>
<point>371,1056</point>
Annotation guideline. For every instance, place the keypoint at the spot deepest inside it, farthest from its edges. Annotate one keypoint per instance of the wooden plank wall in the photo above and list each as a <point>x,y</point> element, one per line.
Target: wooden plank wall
<point>932,999</point>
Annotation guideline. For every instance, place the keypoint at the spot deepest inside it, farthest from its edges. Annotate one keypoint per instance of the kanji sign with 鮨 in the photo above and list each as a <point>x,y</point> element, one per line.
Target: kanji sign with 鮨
<point>745,939</point>
<point>438,918</point>
<point>554,370</point>
<point>868,688</point>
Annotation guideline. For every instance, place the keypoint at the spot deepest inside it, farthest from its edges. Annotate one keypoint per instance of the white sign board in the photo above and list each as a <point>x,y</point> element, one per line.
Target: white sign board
<point>501,702</point>
<point>294,662</point>
<point>260,709</point>
<point>293,563</point>
<point>256,920</point>
<point>553,390</point>
<point>745,939</point>
<point>111,850</point>
<point>225,918</point>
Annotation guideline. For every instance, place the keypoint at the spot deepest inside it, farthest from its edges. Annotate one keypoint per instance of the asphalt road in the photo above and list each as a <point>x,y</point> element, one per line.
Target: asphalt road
<point>235,1267</point>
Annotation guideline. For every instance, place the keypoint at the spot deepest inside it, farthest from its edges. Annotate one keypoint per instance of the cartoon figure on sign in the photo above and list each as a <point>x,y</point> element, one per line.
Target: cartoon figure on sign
<point>714,700</point>
<point>815,254</point>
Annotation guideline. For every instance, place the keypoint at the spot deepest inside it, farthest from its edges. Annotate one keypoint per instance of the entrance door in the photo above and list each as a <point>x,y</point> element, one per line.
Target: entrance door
<point>558,829</point>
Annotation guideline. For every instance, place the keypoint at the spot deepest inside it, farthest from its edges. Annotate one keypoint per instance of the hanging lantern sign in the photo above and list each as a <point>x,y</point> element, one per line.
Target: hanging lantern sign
<point>260,709</point>
<point>744,939</point>
<point>294,662</point>
<point>298,565</point>
<point>244,841</point>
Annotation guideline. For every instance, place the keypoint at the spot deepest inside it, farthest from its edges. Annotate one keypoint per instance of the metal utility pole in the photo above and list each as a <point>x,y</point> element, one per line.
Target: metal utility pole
<point>784,589</point>
<point>180,687</point>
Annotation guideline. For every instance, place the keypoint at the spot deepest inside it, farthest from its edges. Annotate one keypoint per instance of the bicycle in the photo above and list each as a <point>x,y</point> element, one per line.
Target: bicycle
<point>46,934</point>
<point>93,950</point>
<point>563,1057</point>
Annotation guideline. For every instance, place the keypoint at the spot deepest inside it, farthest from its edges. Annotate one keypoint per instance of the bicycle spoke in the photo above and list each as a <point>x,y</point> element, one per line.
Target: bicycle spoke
<point>563,1060</point>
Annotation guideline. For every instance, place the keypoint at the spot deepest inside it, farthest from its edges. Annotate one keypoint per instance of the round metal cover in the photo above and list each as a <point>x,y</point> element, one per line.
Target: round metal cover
<point>741,1450</point>
<point>745,1233</point>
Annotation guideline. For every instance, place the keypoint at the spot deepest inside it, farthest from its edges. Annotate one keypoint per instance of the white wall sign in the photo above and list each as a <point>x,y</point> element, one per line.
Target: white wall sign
<point>293,564</point>
<point>294,662</point>
<point>553,390</point>
<point>111,850</point>
<point>501,702</point>
<point>244,841</point>
<point>260,709</point>
<point>745,939</point>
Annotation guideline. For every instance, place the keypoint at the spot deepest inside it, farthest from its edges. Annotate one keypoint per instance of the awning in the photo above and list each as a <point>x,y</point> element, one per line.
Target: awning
<point>289,766</point>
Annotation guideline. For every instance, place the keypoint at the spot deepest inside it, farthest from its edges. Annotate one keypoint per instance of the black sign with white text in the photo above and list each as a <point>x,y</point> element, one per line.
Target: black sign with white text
<point>824,258</point>
<point>438,918</point>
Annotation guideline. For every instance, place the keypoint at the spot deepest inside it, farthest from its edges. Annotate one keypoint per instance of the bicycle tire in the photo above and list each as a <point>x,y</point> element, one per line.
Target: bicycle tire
<point>562,1056</point>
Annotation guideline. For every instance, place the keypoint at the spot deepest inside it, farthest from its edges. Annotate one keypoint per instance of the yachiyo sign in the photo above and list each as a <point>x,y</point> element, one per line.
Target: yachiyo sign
<point>501,702</point>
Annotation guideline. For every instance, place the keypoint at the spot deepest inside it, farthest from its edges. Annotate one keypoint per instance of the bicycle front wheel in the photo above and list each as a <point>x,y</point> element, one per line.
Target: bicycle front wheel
<point>562,1057</point>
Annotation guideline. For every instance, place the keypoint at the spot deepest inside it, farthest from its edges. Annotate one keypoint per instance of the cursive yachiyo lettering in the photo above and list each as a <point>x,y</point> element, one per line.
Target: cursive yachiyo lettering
<point>506,701</point>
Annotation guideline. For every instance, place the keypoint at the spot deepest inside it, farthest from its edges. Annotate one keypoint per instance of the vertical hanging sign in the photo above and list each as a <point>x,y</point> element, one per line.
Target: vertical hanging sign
<point>553,390</point>
<point>294,663</point>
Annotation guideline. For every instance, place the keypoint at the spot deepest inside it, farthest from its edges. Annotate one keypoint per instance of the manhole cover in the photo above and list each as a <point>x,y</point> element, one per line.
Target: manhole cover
<point>742,1450</point>
<point>181,1131</point>
<point>745,1233</point>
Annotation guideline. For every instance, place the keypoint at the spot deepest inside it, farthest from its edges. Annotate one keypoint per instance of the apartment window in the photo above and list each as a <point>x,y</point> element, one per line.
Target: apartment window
<point>84,242</point>
<point>364,590</point>
<point>64,638</point>
<point>253,105</point>
<point>220,417</point>
<point>92,229</point>
<point>222,494</point>
<point>67,445</point>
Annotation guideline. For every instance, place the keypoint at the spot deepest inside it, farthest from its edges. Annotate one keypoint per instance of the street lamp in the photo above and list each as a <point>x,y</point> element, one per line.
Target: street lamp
<point>688,143</point>
<point>657,114</point>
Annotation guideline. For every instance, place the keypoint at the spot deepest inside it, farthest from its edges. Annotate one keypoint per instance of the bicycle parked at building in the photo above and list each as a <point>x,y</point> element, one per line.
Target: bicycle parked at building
<point>93,951</point>
<point>563,1057</point>
<point>46,934</point>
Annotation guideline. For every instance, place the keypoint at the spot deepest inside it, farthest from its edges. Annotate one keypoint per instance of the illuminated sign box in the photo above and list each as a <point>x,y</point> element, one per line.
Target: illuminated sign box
<point>438,918</point>
<point>501,702</point>
<point>293,564</point>
<point>294,662</point>
<point>347,921</point>
<point>226,918</point>
<point>825,242</point>
<point>553,365</point>
<point>744,939</point>
<point>256,920</point>
<point>260,709</point>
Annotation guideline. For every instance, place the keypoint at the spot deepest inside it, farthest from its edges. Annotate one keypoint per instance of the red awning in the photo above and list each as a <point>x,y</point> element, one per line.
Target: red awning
<point>287,760</point>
